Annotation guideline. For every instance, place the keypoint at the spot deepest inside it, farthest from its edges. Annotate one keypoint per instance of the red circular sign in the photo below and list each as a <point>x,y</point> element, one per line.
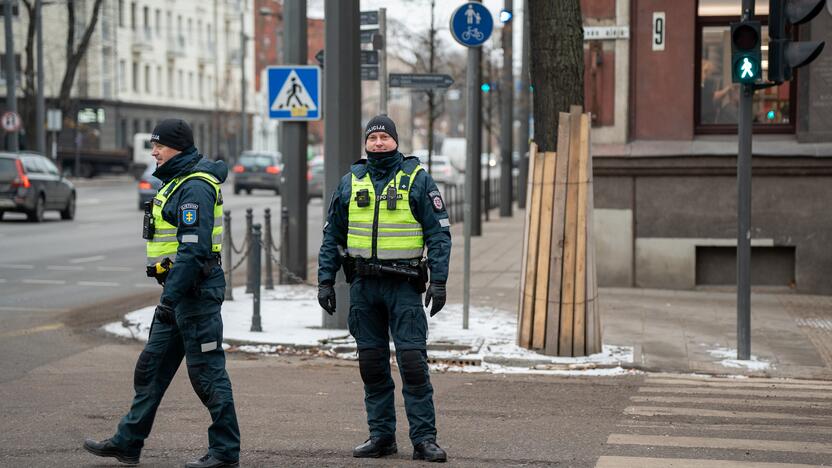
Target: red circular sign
<point>11,121</point>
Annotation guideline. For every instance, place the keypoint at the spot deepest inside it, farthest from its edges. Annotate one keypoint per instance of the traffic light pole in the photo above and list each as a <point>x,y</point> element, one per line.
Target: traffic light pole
<point>744,224</point>
<point>744,210</point>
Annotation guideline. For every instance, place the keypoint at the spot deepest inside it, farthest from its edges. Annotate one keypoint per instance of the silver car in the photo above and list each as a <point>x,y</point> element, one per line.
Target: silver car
<point>258,170</point>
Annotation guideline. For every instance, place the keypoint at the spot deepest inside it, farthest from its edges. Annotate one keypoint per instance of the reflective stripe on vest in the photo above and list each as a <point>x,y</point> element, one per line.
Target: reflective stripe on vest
<point>398,233</point>
<point>164,243</point>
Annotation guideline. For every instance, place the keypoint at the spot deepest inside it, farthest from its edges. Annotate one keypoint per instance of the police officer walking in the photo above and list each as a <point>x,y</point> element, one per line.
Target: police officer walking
<point>383,215</point>
<point>183,229</point>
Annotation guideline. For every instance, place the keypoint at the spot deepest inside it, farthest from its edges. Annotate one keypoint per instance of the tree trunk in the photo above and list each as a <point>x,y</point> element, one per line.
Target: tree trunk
<point>75,54</point>
<point>28,108</point>
<point>557,65</point>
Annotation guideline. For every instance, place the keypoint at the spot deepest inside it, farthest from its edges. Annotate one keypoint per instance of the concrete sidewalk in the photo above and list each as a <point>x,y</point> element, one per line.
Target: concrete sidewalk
<point>680,331</point>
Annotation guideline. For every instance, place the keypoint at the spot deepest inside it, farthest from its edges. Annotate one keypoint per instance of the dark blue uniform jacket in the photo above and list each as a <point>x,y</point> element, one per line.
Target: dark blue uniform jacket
<point>187,279</point>
<point>426,205</point>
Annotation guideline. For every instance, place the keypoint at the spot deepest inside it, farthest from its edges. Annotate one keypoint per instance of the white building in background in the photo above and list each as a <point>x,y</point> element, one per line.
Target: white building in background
<point>150,59</point>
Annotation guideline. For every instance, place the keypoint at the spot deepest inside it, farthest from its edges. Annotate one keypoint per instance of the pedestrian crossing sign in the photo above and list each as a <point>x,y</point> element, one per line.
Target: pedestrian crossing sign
<point>294,92</point>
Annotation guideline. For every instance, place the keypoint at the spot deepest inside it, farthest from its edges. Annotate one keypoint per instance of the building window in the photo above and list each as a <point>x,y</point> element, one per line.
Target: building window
<point>181,84</point>
<point>147,79</point>
<point>717,99</point>
<point>137,128</point>
<point>133,16</point>
<point>171,84</point>
<point>123,139</point>
<point>200,83</point>
<point>158,22</point>
<point>159,86</point>
<point>148,125</point>
<point>136,77</point>
<point>191,85</point>
<point>122,75</point>
<point>121,14</point>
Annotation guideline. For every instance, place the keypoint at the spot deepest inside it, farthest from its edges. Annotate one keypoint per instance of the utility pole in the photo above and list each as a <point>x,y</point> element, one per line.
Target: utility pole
<point>523,106</point>
<point>294,140</point>
<point>40,105</point>
<point>506,116</point>
<point>382,61</point>
<point>243,117</point>
<point>342,121</point>
<point>473,136</point>
<point>11,86</point>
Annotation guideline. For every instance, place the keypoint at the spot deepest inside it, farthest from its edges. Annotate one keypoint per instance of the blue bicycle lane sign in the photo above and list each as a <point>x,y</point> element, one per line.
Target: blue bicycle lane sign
<point>471,24</point>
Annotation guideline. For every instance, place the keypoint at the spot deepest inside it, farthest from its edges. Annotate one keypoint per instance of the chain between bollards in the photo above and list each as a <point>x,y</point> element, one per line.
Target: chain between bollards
<point>256,251</point>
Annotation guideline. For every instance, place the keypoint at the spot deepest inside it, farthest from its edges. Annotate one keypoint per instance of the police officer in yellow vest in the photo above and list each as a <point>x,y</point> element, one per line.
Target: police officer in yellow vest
<point>383,215</point>
<point>183,229</point>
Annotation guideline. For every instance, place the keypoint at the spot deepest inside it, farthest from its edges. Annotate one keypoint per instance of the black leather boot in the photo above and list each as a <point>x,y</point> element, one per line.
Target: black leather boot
<point>106,448</point>
<point>428,450</point>
<point>376,447</point>
<point>208,461</point>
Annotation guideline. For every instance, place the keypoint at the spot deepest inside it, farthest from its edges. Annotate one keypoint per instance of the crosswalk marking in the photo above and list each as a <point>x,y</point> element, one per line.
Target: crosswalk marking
<point>709,413</point>
<point>687,414</point>
<point>721,443</point>
<point>742,392</point>
<point>42,281</point>
<point>98,283</point>
<point>739,384</point>
<point>733,402</point>
<point>642,462</point>
<point>739,428</point>
<point>87,259</point>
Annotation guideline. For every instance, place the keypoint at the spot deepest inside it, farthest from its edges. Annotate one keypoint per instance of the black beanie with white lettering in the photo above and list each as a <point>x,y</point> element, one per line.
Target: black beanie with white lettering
<point>381,123</point>
<point>173,133</point>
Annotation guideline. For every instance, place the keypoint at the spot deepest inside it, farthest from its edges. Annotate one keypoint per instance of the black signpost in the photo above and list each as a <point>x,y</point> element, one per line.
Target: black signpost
<point>420,80</point>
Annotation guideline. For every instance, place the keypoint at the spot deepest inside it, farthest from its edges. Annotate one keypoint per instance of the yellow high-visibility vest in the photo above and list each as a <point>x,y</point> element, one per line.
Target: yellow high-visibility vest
<point>378,232</point>
<point>164,242</point>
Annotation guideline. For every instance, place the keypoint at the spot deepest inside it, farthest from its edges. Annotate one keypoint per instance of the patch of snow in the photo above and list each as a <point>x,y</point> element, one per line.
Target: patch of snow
<point>728,359</point>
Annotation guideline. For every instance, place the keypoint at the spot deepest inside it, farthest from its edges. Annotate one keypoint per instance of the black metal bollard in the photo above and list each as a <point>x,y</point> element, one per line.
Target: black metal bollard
<point>229,260</point>
<point>249,270</point>
<point>267,249</point>
<point>284,241</point>
<point>256,247</point>
<point>487,196</point>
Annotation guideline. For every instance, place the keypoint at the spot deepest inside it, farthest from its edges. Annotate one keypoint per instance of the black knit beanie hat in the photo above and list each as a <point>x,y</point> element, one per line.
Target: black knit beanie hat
<point>381,123</point>
<point>173,133</point>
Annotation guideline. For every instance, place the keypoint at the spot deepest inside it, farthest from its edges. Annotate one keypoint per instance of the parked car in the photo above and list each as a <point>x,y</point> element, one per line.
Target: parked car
<point>441,169</point>
<point>315,177</point>
<point>148,186</point>
<point>31,183</point>
<point>258,170</point>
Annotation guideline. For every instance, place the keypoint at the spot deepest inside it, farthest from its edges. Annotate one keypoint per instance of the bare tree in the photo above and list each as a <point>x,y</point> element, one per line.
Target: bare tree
<point>557,65</point>
<point>74,54</point>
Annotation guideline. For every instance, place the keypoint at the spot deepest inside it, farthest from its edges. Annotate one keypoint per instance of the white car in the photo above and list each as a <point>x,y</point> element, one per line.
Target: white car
<point>441,169</point>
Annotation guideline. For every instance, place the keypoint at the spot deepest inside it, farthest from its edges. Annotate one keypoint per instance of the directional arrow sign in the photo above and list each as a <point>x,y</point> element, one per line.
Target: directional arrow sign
<point>369,73</point>
<point>367,35</point>
<point>369,17</point>
<point>420,81</point>
<point>369,57</point>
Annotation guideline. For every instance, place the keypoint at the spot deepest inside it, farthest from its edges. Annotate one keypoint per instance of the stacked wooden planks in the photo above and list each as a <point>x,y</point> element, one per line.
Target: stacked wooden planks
<point>558,312</point>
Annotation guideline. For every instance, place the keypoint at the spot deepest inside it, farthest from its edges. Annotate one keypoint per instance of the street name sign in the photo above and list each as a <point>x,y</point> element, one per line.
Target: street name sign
<point>420,81</point>
<point>367,35</point>
<point>294,92</point>
<point>369,73</point>
<point>368,17</point>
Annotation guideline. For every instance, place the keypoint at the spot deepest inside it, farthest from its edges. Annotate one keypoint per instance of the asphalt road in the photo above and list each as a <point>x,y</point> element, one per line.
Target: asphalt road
<point>59,274</point>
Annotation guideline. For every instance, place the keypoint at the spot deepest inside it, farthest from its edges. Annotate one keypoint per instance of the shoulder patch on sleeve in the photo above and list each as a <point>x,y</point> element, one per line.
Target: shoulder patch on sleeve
<point>188,213</point>
<point>436,200</point>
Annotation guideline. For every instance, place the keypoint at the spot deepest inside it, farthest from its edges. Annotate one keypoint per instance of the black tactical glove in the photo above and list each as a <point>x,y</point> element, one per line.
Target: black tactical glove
<point>436,291</point>
<point>326,297</point>
<point>165,314</point>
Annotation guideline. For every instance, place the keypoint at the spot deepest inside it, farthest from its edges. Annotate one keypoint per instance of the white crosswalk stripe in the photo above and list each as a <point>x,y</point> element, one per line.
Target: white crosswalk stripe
<point>685,421</point>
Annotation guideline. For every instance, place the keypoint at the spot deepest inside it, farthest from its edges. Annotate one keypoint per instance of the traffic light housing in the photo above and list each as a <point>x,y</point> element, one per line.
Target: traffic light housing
<point>784,55</point>
<point>745,52</point>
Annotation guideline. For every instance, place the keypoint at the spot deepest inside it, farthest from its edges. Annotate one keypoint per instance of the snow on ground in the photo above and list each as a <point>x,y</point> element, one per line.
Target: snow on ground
<point>728,356</point>
<point>291,319</point>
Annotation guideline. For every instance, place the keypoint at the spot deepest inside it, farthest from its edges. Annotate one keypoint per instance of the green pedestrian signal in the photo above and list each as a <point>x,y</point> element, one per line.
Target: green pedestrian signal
<point>485,87</point>
<point>745,52</point>
<point>748,69</point>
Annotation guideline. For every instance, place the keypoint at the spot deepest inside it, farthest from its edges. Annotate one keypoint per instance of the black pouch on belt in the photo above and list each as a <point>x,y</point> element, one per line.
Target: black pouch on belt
<point>421,283</point>
<point>148,225</point>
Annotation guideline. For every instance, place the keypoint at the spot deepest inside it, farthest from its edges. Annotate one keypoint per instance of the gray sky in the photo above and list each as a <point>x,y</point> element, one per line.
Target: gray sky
<point>416,13</point>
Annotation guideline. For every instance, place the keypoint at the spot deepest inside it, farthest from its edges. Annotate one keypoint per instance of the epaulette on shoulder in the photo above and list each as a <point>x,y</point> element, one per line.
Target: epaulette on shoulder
<point>409,164</point>
<point>359,168</point>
